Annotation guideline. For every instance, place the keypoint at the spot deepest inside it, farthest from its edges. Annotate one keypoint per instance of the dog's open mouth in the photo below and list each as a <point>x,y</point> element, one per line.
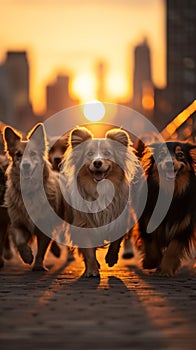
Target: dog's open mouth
<point>170,174</point>
<point>26,174</point>
<point>99,175</point>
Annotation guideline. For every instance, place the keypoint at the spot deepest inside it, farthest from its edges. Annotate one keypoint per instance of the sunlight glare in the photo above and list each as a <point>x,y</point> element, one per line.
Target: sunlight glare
<point>94,110</point>
<point>117,86</point>
<point>84,87</point>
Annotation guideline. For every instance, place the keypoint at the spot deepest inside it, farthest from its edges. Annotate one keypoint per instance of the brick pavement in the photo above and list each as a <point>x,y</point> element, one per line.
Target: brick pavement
<point>126,309</point>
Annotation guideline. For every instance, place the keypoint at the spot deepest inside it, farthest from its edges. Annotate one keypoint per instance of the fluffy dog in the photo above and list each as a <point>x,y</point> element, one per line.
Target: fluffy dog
<point>171,241</point>
<point>57,151</point>
<point>55,156</point>
<point>91,162</point>
<point>5,250</point>
<point>29,165</point>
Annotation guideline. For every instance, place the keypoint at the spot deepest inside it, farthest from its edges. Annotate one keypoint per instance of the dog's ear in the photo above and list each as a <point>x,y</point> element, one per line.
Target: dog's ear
<point>191,146</point>
<point>11,137</point>
<point>79,135</point>
<point>119,135</point>
<point>192,154</point>
<point>139,146</point>
<point>38,135</point>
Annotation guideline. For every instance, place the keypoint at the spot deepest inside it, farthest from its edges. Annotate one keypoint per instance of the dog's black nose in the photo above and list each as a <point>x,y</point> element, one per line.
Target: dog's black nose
<point>97,163</point>
<point>57,160</point>
<point>169,164</point>
<point>26,165</point>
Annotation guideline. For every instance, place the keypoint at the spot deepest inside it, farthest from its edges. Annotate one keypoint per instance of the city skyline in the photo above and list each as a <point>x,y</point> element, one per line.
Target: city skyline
<point>76,54</point>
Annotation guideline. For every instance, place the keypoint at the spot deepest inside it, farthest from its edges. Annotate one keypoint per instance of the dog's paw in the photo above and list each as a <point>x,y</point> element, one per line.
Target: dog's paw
<point>91,273</point>
<point>111,258</point>
<point>25,253</point>
<point>166,272</point>
<point>149,264</point>
<point>39,268</point>
<point>7,253</point>
<point>1,263</point>
<point>127,255</point>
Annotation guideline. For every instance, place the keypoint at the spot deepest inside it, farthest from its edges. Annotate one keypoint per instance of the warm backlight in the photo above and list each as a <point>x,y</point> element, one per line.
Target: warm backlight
<point>84,87</point>
<point>94,111</point>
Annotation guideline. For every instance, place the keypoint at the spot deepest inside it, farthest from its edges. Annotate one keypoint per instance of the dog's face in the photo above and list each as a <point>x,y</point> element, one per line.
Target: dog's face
<point>174,165</point>
<point>99,158</point>
<point>57,151</point>
<point>26,160</point>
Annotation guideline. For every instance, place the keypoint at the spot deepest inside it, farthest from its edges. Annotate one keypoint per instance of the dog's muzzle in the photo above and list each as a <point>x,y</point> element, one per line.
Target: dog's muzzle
<point>98,171</point>
<point>25,169</point>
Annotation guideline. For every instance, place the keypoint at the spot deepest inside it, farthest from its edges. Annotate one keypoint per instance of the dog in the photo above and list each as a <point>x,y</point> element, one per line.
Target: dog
<point>55,156</point>
<point>57,150</point>
<point>5,250</point>
<point>92,161</point>
<point>130,241</point>
<point>29,164</point>
<point>172,240</point>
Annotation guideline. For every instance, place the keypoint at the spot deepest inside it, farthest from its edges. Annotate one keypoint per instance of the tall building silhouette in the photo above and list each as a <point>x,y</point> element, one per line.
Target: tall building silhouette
<point>143,91</point>
<point>181,53</point>
<point>6,99</point>
<point>58,96</point>
<point>181,61</point>
<point>17,67</point>
<point>101,75</point>
<point>14,99</point>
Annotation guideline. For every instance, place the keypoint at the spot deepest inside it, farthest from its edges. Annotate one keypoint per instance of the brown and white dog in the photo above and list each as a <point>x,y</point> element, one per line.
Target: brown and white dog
<point>88,165</point>
<point>57,150</point>
<point>165,247</point>
<point>29,164</point>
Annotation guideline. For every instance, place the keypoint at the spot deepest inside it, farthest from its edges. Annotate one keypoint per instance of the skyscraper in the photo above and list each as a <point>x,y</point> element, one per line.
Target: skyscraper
<point>6,99</point>
<point>58,96</point>
<point>181,53</point>
<point>181,61</point>
<point>17,67</point>
<point>142,80</point>
<point>15,72</point>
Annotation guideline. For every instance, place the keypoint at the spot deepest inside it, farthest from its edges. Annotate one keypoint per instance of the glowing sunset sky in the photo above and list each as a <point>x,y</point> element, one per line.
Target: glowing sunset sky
<point>69,36</point>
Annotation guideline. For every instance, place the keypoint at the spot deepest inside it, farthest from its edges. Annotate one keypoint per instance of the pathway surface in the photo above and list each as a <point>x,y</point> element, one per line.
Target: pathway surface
<point>126,309</point>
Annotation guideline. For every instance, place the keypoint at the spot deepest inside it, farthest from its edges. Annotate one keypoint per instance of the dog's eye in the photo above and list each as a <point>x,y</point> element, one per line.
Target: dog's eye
<point>180,155</point>
<point>18,154</point>
<point>33,154</point>
<point>161,155</point>
<point>90,153</point>
<point>107,153</point>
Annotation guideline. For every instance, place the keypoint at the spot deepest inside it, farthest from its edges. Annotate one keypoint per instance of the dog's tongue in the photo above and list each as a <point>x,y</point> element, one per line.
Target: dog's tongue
<point>170,175</point>
<point>26,174</point>
<point>98,175</point>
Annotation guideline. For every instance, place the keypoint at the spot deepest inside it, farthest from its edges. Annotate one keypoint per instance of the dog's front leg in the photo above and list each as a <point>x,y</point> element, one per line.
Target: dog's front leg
<point>152,253</point>
<point>172,258</point>
<point>112,254</point>
<point>20,238</point>
<point>43,242</point>
<point>91,263</point>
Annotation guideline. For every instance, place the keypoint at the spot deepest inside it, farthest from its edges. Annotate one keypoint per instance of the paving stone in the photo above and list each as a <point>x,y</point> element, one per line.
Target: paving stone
<point>126,308</point>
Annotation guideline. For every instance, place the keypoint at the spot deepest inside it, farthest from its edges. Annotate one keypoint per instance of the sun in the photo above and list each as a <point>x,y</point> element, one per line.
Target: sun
<point>84,87</point>
<point>94,110</point>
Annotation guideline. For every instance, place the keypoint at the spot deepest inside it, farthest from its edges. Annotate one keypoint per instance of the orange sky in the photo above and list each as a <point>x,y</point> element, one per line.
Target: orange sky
<point>69,36</point>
